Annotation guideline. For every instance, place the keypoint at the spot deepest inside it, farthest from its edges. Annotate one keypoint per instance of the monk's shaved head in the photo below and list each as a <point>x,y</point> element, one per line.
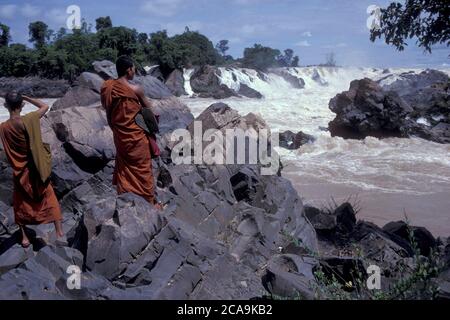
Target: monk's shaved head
<point>123,63</point>
<point>13,100</point>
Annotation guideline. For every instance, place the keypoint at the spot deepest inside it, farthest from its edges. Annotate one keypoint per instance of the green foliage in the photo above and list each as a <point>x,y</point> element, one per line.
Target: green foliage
<point>260,58</point>
<point>66,54</point>
<point>5,35</point>
<point>103,23</point>
<point>39,33</point>
<point>426,20</point>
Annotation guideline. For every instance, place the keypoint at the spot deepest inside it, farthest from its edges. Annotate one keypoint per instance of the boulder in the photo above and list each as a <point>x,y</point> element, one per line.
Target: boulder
<point>153,88</point>
<point>205,81</point>
<point>421,236</point>
<point>77,96</point>
<point>85,136</point>
<point>367,110</point>
<point>105,69</point>
<point>295,82</point>
<point>175,83</point>
<point>34,87</point>
<point>173,114</point>
<point>290,140</point>
<point>90,80</point>
<point>290,276</point>
<point>246,91</point>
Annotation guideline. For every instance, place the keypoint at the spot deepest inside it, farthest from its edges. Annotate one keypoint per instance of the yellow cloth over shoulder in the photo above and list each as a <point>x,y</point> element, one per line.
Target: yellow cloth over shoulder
<point>40,151</point>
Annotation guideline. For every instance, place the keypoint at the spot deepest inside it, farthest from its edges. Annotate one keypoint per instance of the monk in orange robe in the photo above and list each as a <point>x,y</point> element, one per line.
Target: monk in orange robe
<point>34,201</point>
<point>123,101</point>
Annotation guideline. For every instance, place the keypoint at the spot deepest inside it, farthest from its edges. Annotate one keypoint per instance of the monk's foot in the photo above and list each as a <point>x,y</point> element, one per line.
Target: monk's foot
<point>59,234</point>
<point>159,206</point>
<point>25,243</point>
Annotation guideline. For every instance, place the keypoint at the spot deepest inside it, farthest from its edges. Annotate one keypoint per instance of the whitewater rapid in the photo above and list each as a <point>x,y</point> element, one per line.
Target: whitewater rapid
<point>390,178</point>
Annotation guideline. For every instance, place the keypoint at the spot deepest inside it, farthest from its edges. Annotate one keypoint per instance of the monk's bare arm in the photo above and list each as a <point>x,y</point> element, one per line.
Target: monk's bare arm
<point>43,107</point>
<point>145,102</point>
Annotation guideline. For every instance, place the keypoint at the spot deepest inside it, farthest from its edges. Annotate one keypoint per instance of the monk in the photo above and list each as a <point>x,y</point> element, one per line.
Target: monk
<point>135,149</point>
<point>34,200</point>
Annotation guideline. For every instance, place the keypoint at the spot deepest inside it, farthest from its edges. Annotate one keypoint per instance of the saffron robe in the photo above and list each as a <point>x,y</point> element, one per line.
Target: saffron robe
<point>133,169</point>
<point>34,201</point>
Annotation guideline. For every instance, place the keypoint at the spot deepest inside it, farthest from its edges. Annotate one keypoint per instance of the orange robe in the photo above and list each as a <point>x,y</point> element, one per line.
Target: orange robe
<point>133,170</point>
<point>34,202</point>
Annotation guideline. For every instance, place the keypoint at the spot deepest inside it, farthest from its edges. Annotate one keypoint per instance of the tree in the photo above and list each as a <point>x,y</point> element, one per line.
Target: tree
<point>122,39</point>
<point>196,49</point>
<point>295,62</point>
<point>260,57</point>
<point>287,59</point>
<point>142,38</point>
<point>103,23</point>
<point>330,60</point>
<point>222,47</point>
<point>5,35</point>
<point>426,20</point>
<point>39,33</point>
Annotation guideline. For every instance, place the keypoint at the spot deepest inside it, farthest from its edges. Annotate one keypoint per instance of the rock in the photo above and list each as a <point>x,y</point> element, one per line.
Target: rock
<point>76,97</point>
<point>175,83</point>
<point>318,78</point>
<point>345,218</point>
<point>290,276</point>
<point>105,69</point>
<point>246,91</point>
<point>367,110</point>
<point>34,87</point>
<point>424,239</point>
<point>123,236</point>
<point>414,105</point>
<point>153,88</point>
<point>85,136</point>
<point>343,269</point>
<point>321,221</point>
<point>13,257</point>
<point>292,141</point>
<point>205,81</point>
<point>66,174</point>
<point>173,114</point>
<point>155,71</point>
<point>408,83</point>
<point>90,80</point>
<point>295,82</point>
<point>6,184</point>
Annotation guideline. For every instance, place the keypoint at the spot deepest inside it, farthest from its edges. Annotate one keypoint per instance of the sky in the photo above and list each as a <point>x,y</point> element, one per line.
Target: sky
<point>312,28</point>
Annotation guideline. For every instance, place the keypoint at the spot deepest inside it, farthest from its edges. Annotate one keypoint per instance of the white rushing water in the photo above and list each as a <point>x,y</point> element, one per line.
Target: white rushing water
<point>390,177</point>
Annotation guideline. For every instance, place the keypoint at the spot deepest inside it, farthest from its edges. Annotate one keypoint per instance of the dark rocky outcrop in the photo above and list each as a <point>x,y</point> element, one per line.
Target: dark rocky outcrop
<point>34,87</point>
<point>206,83</point>
<point>246,91</point>
<point>415,105</point>
<point>295,82</point>
<point>175,83</point>
<point>292,141</point>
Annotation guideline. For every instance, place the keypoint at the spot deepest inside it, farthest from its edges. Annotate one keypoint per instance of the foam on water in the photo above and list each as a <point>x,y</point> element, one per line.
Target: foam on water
<point>412,166</point>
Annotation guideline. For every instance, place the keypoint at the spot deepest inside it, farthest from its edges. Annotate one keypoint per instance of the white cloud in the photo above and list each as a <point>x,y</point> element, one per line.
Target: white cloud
<point>30,11</point>
<point>7,11</point>
<point>163,8</point>
<point>57,16</point>
<point>307,34</point>
<point>303,43</point>
<point>253,29</point>
<point>337,45</point>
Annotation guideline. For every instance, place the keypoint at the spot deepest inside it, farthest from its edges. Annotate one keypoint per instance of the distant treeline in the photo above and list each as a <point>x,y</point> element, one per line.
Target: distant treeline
<point>65,54</point>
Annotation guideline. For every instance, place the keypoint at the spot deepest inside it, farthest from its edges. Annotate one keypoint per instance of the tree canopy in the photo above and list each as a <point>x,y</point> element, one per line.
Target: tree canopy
<point>426,20</point>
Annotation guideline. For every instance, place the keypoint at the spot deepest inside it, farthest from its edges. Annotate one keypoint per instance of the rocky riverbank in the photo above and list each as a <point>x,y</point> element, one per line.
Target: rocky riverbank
<point>227,232</point>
